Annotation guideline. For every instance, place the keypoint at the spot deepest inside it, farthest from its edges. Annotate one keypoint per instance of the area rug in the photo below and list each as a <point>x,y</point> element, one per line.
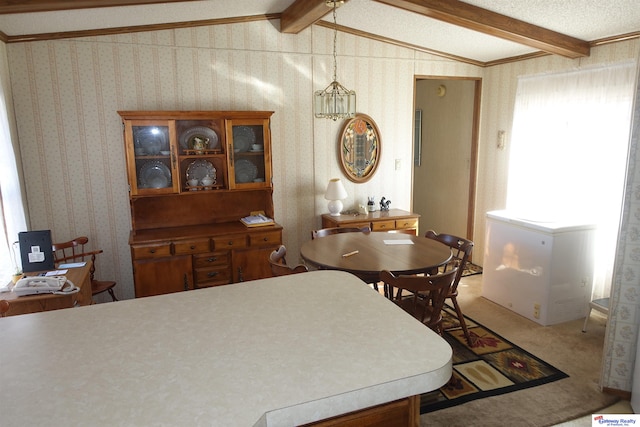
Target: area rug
<point>471,269</point>
<point>491,366</point>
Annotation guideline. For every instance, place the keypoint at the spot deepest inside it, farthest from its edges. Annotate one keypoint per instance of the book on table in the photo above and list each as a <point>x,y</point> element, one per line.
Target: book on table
<point>256,220</point>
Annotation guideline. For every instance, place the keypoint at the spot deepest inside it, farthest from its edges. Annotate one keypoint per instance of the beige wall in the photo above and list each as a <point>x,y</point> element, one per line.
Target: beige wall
<point>66,94</point>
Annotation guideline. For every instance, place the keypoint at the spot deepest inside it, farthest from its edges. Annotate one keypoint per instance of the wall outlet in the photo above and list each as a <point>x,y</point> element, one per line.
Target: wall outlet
<point>536,310</point>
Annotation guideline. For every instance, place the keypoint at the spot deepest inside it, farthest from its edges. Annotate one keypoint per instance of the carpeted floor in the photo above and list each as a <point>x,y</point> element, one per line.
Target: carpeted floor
<point>490,366</point>
<point>564,346</point>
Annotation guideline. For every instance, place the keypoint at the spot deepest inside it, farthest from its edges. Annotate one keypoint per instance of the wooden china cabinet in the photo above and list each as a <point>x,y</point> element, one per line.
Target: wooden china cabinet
<point>192,176</point>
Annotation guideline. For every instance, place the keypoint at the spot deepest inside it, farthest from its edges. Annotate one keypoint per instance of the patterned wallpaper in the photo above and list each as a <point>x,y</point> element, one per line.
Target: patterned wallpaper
<point>66,94</point>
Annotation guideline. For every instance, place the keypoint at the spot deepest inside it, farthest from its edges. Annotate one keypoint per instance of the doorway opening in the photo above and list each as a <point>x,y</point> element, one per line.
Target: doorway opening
<point>446,153</point>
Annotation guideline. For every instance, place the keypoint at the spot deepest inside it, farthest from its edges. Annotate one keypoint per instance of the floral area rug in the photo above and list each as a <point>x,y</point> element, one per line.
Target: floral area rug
<point>489,367</point>
<point>470,269</point>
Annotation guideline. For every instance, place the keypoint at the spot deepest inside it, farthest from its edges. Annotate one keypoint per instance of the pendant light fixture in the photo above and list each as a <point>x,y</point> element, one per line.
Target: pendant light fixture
<point>335,101</point>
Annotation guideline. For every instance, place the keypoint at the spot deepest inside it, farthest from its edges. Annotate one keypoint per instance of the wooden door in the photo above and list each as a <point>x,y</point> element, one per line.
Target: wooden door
<point>445,178</point>
<point>156,276</point>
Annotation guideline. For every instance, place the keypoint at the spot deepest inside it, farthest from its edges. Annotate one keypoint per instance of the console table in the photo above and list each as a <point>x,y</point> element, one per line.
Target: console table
<point>391,220</point>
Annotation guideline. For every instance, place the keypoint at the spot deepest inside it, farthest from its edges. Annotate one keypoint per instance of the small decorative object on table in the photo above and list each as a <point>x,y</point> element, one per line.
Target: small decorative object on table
<point>371,205</point>
<point>384,204</point>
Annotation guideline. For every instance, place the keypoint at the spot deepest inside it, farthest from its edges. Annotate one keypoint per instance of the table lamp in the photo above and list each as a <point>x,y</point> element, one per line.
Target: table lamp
<point>335,194</point>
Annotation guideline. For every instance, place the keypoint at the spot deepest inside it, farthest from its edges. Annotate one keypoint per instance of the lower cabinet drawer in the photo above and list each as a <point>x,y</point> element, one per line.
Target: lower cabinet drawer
<point>267,238</point>
<point>406,223</point>
<point>151,251</point>
<point>214,276</point>
<point>192,246</point>
<point>229,242</point>
<point>383,225</point>
<point>211,259</point>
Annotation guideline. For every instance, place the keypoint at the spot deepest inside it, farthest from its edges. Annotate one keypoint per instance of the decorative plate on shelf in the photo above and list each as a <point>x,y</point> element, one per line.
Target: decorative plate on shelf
<point>191,138</point>
<point>154,174</point>
<point>152,139</point>
<point>245,171</point>
<point>199,169</point>
<point>243,138</point>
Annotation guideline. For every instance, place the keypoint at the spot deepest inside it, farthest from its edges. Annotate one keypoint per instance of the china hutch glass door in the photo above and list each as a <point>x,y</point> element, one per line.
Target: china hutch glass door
<point>154,165</point>
<point>250,157</point>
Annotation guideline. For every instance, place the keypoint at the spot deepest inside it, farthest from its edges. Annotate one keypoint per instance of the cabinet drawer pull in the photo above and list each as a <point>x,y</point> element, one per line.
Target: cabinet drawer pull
<point>383,226</point>
<point>212,274</point>
<point>192,247</point>
<point>212,259</point>
<point>266,239</point>
<point>230,243</point>
<point>153,251</point>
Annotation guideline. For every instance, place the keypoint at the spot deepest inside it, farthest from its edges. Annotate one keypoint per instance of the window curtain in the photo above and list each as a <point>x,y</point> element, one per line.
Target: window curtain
<point>568,156</point>
<point>12,212</point>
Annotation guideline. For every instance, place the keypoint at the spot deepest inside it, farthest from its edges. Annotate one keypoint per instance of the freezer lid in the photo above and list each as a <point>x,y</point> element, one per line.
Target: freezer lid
<point>559,226</point>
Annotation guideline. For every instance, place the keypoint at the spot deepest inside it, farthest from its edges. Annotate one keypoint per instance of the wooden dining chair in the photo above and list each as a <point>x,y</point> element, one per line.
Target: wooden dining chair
<point>279,265</point>
<point>461,252</point>
<point>74,251</point>
<point>335,230</point>
<point>425,295</point>
<point>4,307</point>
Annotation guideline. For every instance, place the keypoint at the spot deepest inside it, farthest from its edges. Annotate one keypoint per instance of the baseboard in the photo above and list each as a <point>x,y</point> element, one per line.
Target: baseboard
<point>626,395</point>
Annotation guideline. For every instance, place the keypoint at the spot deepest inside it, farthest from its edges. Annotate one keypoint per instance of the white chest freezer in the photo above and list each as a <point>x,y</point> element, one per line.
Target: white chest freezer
<point>540,270</point>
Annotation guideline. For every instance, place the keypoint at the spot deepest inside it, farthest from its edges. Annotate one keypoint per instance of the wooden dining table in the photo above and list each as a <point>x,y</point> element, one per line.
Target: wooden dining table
<point>367,254</point>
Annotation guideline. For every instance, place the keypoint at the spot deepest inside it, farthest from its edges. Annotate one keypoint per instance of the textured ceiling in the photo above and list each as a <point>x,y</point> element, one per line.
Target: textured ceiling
<point>587,20</point>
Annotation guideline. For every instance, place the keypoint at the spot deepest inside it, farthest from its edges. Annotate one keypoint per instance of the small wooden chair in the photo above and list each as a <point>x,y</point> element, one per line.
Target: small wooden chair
<point>601,305</point>
<point>335,230</point>
<point>4,307</point>
<point>279,265</point>
<point>426,295</point>
<point>461,249</point>
<point>74,251</point>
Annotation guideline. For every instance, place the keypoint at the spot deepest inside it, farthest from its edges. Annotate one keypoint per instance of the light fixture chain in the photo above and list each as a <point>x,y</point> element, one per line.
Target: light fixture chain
<point>335,43</point>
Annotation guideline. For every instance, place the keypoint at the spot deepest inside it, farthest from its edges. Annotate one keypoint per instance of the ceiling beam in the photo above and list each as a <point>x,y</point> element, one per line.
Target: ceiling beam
<point>302,14</point>
<point>494,24</point>
<point>26,6</point>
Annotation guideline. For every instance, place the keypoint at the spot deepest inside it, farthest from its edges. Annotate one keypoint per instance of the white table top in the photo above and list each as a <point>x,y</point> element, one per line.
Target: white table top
<point>273,352</point>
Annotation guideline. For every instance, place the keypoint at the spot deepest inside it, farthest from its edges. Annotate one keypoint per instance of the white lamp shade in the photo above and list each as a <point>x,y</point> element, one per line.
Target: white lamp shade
<point>335,190</point>
<point>335,193</point>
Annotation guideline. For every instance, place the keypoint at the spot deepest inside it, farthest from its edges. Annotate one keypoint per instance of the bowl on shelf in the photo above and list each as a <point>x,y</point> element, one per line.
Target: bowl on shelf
<point>165,153</point>
<point>139,151</point>
<point>207,181</point>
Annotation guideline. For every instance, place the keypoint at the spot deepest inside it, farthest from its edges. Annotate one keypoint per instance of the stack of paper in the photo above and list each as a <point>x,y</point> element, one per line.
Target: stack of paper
<point>256,220</point>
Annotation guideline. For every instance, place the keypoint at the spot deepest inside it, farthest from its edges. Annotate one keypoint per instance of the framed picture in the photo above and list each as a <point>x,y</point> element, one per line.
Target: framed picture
<point>359,147</point>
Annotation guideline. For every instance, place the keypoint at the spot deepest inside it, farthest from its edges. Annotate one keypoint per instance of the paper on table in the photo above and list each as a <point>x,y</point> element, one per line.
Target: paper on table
<point>56,273</point>
<point>398,242</point>
<point>73,265</point>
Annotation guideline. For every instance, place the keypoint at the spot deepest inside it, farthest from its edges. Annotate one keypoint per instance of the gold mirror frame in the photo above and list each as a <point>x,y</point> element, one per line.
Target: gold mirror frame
<point>359,147</point>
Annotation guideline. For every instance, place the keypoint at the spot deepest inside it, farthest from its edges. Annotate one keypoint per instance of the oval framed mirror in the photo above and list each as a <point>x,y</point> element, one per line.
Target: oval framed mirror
<point>359,147</point>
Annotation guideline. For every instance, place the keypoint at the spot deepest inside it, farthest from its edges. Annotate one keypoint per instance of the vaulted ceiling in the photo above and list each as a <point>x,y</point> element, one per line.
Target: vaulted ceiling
<point>482,32</point>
